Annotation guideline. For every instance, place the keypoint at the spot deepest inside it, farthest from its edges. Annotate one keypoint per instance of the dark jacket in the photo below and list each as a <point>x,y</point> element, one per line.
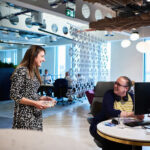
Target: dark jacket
<point>107,110</point>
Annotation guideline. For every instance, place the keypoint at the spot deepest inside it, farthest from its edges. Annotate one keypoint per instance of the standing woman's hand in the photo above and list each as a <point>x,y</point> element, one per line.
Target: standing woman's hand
<point>47,98</point>
<point>40,105</point>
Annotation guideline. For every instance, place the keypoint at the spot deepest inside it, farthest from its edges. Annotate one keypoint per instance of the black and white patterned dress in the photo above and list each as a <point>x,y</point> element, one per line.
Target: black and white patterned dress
<point>25,116</point>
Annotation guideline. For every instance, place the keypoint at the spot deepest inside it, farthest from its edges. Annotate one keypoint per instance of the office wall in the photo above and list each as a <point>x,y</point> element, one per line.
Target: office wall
<point>126,61</point>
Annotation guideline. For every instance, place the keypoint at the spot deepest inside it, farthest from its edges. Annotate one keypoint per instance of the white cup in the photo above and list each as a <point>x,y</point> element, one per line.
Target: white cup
<point>121,122</point>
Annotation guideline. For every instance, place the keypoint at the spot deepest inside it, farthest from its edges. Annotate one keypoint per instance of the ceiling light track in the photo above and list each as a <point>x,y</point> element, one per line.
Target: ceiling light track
<point>21,43</point>
<point>23,33</point>
<point>16,14</point>
<point>53,34</point>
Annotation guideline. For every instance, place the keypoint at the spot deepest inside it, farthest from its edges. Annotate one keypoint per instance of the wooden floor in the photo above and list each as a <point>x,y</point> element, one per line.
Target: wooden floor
<point>71,121</point>
<point>68,123</point>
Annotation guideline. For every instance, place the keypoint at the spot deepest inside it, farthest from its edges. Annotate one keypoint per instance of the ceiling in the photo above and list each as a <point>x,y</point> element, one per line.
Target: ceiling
<point>130,14</point>
<point>21,27</point>
<point>78,22</point>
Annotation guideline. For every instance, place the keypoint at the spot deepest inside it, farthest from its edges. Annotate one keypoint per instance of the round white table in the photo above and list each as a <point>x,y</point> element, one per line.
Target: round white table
<point>135,136</point>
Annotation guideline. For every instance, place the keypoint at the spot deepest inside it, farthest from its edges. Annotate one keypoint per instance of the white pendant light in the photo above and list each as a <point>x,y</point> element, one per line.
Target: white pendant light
<point>125,43</point>
<point>143,47</point>
<point>134,36</point>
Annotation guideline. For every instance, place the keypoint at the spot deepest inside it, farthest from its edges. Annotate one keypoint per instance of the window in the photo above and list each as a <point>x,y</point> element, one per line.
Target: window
<point>8,56</point>
<point>61,61</point>
<point>147,67</point>
<point>7,60</point>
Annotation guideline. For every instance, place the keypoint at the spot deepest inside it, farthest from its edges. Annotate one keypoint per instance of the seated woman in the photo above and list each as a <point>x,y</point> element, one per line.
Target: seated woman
<point>68,78</point>
<point>47,77</point>
<point>116,102</point>
<point>70,82</point>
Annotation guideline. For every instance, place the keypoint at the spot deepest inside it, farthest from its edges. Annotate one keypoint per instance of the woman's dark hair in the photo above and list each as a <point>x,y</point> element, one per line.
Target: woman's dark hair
<point>28,61</point>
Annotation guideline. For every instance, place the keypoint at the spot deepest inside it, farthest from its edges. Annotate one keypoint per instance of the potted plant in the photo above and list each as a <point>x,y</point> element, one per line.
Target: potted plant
<point>6,70</point>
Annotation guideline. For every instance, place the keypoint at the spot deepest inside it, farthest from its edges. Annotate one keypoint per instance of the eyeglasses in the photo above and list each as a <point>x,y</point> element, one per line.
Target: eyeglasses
<point>118,84</point>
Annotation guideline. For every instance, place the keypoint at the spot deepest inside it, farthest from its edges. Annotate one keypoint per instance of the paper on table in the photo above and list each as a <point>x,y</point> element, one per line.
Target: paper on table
<point>129,119</point>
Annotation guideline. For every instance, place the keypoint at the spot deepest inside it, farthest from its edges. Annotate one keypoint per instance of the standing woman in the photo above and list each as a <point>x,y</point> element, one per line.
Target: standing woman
<point>24,86</point>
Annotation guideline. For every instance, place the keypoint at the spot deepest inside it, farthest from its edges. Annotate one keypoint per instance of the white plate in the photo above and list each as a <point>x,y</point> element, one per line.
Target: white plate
<point>48,103</point>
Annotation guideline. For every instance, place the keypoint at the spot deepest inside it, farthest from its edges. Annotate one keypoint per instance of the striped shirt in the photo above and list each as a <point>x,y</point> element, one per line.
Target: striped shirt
<point>124,105</point>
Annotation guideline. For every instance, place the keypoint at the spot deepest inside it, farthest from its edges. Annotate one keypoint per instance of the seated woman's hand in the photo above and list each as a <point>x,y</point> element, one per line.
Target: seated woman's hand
<point>140,117</point>
<point>126,114</point>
